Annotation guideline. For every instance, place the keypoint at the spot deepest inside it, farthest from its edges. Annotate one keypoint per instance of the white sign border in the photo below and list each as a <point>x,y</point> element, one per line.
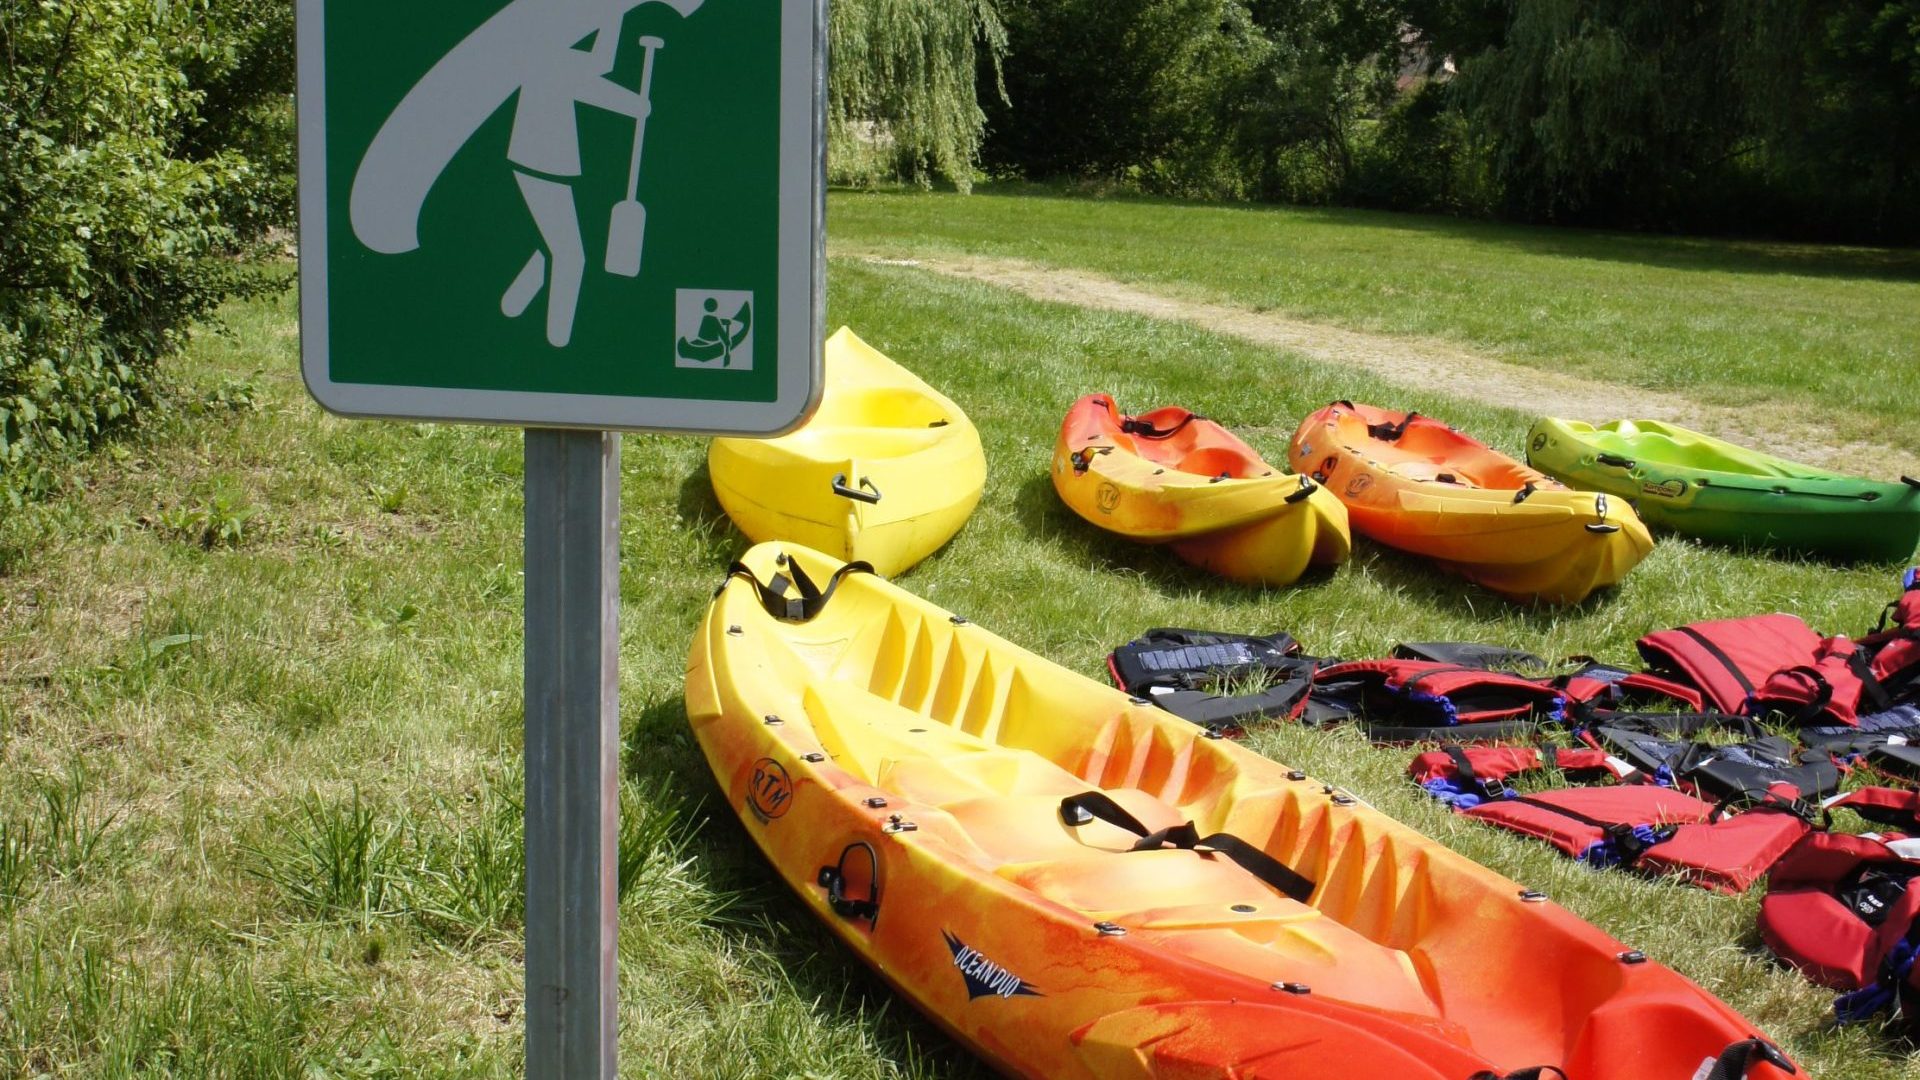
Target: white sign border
<point>802,273</point>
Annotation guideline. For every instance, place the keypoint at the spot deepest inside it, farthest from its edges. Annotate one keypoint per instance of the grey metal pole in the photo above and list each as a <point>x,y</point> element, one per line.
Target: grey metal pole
<point>573,751</point>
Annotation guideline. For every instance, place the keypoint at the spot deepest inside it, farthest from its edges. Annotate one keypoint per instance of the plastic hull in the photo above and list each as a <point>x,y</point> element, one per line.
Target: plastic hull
<point>1433,491</point>
<point>1169,477</point>
<point>1702,486</point>
<point>888,437</point>
<point>885,754</point>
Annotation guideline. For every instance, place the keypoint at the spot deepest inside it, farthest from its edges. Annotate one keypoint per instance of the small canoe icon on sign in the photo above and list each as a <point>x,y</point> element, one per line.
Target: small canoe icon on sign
<point>714,329</point>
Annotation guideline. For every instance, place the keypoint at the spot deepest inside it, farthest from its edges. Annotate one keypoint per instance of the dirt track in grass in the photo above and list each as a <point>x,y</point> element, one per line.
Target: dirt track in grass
<point>1429,363</point>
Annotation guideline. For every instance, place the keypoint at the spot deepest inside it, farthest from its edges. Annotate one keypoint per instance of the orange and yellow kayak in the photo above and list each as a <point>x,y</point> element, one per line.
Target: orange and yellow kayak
<point>1171,477</point>
<point>1079,886</point>
<point>1411,482</point>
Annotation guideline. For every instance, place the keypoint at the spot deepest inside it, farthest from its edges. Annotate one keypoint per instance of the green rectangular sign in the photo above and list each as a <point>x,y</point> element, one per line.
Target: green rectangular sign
<point>577,213</point>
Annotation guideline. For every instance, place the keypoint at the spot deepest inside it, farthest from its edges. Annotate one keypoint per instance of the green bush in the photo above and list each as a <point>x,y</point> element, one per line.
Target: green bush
<point>112,236</point>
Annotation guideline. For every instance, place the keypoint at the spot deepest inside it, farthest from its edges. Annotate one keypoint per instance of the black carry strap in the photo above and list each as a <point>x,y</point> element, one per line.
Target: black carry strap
<point>805,599</point>
<point>1734,1062</point>
<point>1823,696</point>
<point>1537,1072</point>
<point>1386,432</point>
<point>1626,843</point>
<point>834,880</point>
<point>1475,783</point>
<point>1720,655</point>
<point>1228,710</point>
<point>1077,810</point>
<point>1870,687</point>
<point>1133,425</point>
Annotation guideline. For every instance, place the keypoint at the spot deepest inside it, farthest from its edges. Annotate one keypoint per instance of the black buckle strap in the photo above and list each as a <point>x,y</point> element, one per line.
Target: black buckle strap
<point>1720,655</point>
<point>805,600</point>
<point>1464,766</point>
<point>1391,432</point>
<point>1735,1061</point>
<point>1077,810</point>
<point>1136,426</point>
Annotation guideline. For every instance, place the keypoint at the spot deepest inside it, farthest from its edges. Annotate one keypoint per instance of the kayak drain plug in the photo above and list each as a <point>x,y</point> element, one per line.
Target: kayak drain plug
<point>1633,956</point>
<point>876,803</point>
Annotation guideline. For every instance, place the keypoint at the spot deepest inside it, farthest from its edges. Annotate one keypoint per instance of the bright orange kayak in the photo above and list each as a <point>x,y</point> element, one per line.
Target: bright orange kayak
<point>1079,886</point>
<point>1171,477</point>
<point>1411,482</point>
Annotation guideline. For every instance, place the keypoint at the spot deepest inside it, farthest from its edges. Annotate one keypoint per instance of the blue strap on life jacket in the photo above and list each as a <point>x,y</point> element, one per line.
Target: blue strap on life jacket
<point>1455,794</point>
<point>1623,845</point>
<point>1870,1001</point>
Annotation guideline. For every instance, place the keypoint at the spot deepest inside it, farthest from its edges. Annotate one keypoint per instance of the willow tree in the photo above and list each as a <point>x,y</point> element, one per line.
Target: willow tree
<point>901,95</point>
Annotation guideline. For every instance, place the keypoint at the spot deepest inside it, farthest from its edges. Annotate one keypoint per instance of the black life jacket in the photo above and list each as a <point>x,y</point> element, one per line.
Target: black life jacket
<point>1888,742</point>
<point>1655,829</point>
<point>1842,909</point>
<point>1181,670</point>
<point>1760,768</point>
<point>1403,701</point>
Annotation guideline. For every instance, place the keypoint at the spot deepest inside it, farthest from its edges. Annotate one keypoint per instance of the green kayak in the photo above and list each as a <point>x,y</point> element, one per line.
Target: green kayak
<point>1705,487</point>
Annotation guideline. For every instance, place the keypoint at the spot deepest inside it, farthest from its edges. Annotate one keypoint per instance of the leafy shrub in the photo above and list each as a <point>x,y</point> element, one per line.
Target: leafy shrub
<point>112,240</point>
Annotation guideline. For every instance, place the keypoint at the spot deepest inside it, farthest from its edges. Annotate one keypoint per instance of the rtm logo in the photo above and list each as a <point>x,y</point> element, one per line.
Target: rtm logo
<point>769,791</point>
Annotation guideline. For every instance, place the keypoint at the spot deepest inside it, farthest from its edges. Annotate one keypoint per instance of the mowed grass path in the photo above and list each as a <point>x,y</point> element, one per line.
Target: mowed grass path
<point>260,716</point>
<point>1834,332</point>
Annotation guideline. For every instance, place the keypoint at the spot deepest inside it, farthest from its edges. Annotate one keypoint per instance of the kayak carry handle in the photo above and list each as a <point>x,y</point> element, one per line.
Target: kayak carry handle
<point>1614,460</point>
<point>1307,487</point>
<point>834,880</point>
<point>1911,482</point>
<point>870,496</point>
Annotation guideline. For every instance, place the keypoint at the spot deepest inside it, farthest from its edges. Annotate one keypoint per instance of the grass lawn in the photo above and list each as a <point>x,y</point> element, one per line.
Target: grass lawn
<point>260,704</point>
<point>1833,331</point>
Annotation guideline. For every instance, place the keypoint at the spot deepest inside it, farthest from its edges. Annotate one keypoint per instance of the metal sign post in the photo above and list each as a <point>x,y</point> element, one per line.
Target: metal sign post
<point>578,217</point>
<point>573,749</point>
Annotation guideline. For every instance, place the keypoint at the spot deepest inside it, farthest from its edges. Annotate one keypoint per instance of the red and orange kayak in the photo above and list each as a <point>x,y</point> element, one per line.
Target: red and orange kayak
<point>1414,483</point>
<point>1076,885</point>
<point>1172,477</point>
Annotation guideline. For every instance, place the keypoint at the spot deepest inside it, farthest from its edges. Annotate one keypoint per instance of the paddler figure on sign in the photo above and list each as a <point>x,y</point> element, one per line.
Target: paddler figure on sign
<point>529,49</point>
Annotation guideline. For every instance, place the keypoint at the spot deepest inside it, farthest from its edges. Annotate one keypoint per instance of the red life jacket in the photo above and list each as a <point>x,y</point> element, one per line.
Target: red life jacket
<point>1729,660</point>
<point>1600,688</point>
<point>1656,829</point>
<point>1827,691</point>
<point>1411,700</point>
<point>1896,650</point>
<point>1842,909</point>
<point>1482,771</point>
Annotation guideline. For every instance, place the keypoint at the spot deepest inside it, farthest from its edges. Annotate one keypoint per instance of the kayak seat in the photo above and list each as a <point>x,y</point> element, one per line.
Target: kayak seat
<point>1229,917</point>
<point>1220,461</point>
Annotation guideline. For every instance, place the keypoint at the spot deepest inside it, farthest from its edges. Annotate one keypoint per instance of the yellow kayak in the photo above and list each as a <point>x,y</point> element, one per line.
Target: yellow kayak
<point>1171,477</point>
<point>885,471</point>
<point>1080,886</point>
